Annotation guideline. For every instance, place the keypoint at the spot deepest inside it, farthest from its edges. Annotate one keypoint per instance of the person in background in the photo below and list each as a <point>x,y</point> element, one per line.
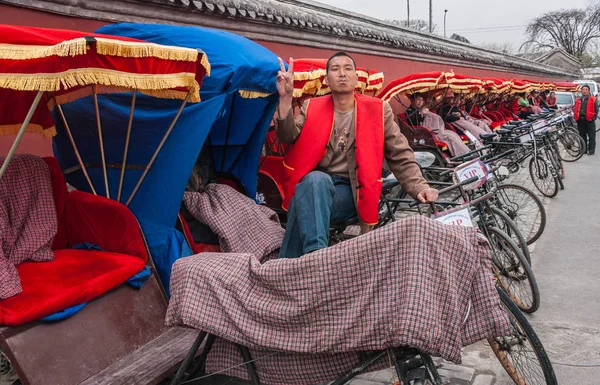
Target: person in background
<point>586,113</point>
<point>551,100</point>
<point>419,115</point>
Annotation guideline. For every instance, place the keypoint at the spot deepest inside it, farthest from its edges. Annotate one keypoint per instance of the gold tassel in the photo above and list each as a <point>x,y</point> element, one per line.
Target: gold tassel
<point>13,129</point>
<point>205,63</point>
<point>252,94</point>
<point>310,75</point>
<point>140,49</point>
<point>73,47</point>
<point>162,84</point>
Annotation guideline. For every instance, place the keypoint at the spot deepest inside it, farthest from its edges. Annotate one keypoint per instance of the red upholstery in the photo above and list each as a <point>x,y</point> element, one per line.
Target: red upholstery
<point>77,276</point>
<point>275,145</point>
<point>442,145</point>
<point>105,222</point>
<point>74,277</point>
<point>197,248</point>
<point>273,166</point>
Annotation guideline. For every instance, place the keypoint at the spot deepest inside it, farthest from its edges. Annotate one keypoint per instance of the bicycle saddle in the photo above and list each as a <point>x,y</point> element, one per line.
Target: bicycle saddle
<point>507,127</point>
<point>487,136</point>
<point>502,131</point>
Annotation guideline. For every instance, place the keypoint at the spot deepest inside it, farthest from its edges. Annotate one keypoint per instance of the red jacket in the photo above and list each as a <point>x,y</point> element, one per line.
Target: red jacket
<point>590,110</point>
<point>311,146</point>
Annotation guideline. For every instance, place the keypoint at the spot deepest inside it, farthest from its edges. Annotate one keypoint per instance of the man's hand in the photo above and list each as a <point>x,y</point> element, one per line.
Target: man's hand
<point>428,195</point>
<point>285,79</point>
<point>285,87</point>
<point>425,110</point>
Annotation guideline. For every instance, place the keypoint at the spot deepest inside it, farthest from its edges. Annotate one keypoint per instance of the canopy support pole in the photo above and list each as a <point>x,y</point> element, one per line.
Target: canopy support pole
<point>75,149</point>
<point>126,145</point>
<point>101,141</point>
<point>162,142</point>
<point>21,132</point>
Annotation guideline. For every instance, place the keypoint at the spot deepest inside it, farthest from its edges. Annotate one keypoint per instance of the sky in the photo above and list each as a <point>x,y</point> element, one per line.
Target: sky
<point>480,21</point>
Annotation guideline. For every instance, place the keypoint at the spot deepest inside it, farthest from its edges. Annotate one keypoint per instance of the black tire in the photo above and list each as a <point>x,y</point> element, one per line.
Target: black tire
<point>541,175</point>
<point>557,164</point>
<point>507,225</point>
<point>522,355</point>
<point>524,208</point>
<point>571,146</point>
<point>513,272</point>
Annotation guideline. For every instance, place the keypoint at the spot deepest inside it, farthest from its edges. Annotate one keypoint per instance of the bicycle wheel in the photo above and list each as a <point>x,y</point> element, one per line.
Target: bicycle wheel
<point>541,175</point>
<point>513,272</point>
<point>557,164</point>
<point>522,354</point>
<point>524,208</point>
<point>571,146</point>
<point>506,224</point>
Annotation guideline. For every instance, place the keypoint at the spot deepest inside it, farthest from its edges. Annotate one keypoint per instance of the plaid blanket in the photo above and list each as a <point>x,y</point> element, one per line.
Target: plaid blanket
<point>406,284</point>
<point>230,215</point>
<point>27,219</point>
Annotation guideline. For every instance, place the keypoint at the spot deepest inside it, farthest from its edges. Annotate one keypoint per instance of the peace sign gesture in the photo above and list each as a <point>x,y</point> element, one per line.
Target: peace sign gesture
<point>285,79</point>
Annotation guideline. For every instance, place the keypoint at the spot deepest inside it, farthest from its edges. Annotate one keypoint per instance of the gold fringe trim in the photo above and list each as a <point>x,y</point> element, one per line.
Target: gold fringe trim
<point>101,90</point>
<point>150,84</point>
<point>376,76</point>
<point>73,47</point>
<point>136,49</point>
<point>310,75</point>
<point>252,94</point>
<point>122,48</point>
<point>13,129</point>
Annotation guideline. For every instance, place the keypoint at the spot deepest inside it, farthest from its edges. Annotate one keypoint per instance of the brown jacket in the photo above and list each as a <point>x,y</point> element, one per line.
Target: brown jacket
<point>398,154</point>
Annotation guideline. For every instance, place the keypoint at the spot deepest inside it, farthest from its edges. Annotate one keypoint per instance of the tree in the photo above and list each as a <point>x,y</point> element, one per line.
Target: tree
<point>416,24</point>
<point>571,29</point>
<point>507,48</point>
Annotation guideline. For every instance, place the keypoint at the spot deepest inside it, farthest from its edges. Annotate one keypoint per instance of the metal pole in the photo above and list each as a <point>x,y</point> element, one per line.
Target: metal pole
<point>101,141</point>
<point>407,13</point>
<point>162,142</point>
<point>430,16</point>
<point>21,132</point>
<point>126,146</point>
<point>445,13</point>
<point>77,154</point>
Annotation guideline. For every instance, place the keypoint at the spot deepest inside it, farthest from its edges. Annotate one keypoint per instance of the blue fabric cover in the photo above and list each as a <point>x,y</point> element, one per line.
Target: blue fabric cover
<point>138,280</point>
<point>237,63</point>
<point>157,202</point>
<point>64,314</point>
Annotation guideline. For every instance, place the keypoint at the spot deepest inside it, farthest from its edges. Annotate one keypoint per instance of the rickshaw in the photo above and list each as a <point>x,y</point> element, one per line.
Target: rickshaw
<point>95,312</point>
<point>433,85</point>
<point>241,88</point>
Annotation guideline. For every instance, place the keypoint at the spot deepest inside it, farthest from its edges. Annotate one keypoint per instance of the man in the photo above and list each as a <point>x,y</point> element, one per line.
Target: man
<point>333,170</point>
<point>586,112</point>
<point>418,115</point>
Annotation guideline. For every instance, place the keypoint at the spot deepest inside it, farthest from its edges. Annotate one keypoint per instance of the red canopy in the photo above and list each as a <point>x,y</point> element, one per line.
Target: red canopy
<point>67,65</point>
<point>520,86</point>
<point>566,87</point>
<point>310,78</point>
<point>411,84</point>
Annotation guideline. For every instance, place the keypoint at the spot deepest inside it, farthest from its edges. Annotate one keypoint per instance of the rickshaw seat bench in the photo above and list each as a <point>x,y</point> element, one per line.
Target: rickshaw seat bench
<point>76,276</point>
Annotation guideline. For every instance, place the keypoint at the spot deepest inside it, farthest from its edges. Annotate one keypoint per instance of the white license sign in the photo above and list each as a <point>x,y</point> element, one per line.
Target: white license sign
<point>469,170</point>
<point>461,217</point>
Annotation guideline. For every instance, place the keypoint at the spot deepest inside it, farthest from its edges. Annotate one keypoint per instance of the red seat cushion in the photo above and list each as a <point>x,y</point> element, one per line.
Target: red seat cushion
<point>197,248</point>
<point>74,277</point>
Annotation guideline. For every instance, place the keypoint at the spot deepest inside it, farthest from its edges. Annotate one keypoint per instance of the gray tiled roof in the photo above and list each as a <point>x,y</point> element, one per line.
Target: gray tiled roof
<point>313,17</point>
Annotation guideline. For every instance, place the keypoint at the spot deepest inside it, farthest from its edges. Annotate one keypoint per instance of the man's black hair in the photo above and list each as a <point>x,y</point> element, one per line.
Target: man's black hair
<point>415,96</point>
<point>338,54</point>
<point>586,86</point>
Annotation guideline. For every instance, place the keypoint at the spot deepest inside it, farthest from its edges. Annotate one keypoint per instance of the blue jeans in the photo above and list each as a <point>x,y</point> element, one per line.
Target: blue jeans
<point>320,199</point>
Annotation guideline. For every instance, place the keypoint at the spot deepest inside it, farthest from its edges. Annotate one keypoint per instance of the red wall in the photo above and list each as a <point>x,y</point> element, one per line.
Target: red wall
<point>393,68</point>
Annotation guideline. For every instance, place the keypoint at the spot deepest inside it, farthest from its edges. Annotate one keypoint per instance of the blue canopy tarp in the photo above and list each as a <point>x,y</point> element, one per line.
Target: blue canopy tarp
<point>242,70</point>
<point>157,202</point>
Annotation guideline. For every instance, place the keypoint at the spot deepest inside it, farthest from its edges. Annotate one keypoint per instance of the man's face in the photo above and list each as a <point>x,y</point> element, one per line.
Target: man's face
<point>418,102</point>
<point>342,77</point>
<point>450,100</point>
<point>585,91</point>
